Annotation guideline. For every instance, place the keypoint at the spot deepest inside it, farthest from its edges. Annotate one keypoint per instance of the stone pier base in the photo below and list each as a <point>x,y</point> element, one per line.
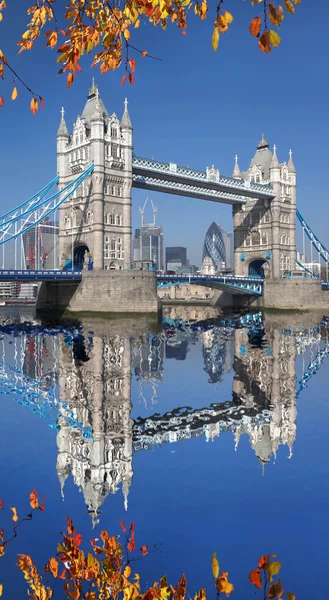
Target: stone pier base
<point>102,292</point>
<point>294,294</point>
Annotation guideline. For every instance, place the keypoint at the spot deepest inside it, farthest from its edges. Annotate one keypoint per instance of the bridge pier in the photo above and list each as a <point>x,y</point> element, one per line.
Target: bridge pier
<point>102,292</point>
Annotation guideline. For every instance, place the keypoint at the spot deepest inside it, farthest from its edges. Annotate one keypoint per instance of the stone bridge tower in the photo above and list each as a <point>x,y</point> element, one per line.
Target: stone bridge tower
<point>96,222</point>
<point>265,231</point>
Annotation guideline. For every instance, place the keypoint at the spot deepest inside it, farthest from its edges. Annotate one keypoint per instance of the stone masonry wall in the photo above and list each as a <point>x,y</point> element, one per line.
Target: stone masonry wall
<point>103,291</point>
<point>305,294</point>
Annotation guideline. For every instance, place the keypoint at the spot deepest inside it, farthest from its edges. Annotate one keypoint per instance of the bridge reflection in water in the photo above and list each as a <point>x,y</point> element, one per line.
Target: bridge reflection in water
<point>84,377</point>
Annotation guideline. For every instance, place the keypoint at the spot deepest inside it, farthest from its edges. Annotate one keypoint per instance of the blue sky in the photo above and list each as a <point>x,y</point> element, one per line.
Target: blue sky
<point>195,107</point>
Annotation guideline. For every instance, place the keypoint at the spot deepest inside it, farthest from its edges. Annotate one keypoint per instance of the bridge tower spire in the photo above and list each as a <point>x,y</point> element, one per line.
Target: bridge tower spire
<point>236,171</point>
<point>127,155</point>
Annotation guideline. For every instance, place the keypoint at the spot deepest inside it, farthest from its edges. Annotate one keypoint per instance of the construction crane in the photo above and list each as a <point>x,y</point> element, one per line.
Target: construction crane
<point>141,211</point>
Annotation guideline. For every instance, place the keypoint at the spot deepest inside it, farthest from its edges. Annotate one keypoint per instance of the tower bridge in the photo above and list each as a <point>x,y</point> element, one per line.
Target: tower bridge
<point>96,173</point>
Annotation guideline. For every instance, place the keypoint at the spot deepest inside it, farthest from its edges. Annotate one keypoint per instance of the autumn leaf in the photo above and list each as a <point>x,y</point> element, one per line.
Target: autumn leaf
<point>127,571</point>
<point>1,104</point>
<point>264,561</point>
<point>215,39</point>
<point>34,106</point>
<point>69,81</point>
<point>42,102</point>
<point>144,550</point>
<point>131,78</point>
<point>15,515</point>
<point>255,26</point>
<point>52,40</point>
<point>123,527</point>
<point>144,53</point>
<point>132,65</point>
<point>122,82</point>
<point>70,528</point>
<point>2,534</point>
<point>289,6</point>
<point>274,38</point>
<point>291,596</point>
<point>1,589</point>
<point>52,567</point>
<point>255,578</point>
<point>2,548</point>
<point>126,34</point>
<point>78,539</point>
<point>14,93</point>
<point>215,565</point>
<point>1,501</point>
<point>34,500</point>
<point>223,585</point>
<point>273,569</point>
<point>275,590</point>
<point>264,43</point>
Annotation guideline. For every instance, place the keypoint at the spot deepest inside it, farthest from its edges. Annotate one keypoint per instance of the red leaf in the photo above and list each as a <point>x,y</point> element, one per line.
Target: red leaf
<point>132,526</point>
<point>122,82</point>
<point>63,574</point>
<point>78,539</point>
<point>42,102</point>
<point>264,42</point>
<point>1,501</point>
<point>34,500</point>
<point>1,104</point>
<point>124,528</point>
<point>255,578</point>
<point>131,78</point>
<point>34,106</point>
<point>70,528</point>
<point>144,550</point>
<point>144,53</point>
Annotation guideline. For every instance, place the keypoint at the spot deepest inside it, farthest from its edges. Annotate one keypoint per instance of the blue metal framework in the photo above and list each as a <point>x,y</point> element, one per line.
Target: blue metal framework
<point>45,275</point>
<point>319,247</point>
<point>244,285</point>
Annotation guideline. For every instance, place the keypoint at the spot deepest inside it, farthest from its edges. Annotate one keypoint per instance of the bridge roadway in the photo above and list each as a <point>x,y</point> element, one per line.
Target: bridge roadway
<point>157,176</point>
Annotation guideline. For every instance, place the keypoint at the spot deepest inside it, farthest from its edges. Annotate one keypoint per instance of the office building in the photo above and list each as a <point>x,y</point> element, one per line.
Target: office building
<point>148,241</point>
<point>176,254</point>
<point>40,245</point>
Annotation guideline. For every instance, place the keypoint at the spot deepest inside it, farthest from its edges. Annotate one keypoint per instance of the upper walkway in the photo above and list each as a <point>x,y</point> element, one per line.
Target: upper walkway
<point>154,175</point>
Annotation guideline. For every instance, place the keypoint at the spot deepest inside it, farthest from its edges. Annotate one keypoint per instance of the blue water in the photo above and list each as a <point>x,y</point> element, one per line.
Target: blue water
<point>208,437</point>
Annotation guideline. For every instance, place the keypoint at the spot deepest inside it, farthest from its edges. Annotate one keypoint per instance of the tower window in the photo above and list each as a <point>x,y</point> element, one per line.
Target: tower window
<point>114,132</point>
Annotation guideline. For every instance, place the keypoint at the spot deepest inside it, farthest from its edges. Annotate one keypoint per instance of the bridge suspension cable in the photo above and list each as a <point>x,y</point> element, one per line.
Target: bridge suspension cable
<point>32,212</point>
<point>315,242</point>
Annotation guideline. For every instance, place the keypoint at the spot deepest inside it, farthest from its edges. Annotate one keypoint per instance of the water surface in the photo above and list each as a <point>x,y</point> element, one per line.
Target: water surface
<point>211,435</point>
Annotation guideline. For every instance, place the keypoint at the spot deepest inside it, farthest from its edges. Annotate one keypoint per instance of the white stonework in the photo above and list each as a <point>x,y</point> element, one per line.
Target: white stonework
<point>207,267</point>
<point>265,231</point>
<point>98,217</point>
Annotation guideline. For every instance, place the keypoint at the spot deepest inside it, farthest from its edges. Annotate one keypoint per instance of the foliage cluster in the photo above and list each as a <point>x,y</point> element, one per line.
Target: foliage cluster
<point>106,573</point>
<point>108,27</point>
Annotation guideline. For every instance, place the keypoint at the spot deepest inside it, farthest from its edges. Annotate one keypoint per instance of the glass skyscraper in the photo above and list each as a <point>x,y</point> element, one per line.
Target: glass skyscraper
<point>214,247</point>
<point>148,245</point>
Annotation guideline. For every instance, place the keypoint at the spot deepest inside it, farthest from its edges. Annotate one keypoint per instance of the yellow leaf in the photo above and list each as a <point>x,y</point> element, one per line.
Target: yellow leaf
<point>126,34</point>
<point>137,24</point>
<point>15,515</point>
<point>26,34</point>
<point>215,39</point>
<point>1,588</point>
<point>289,6</point>
<point>274,38</point>
<point>228,17</point>
<point>127,571</point>
<point>291,596</point>
<point>1,17</point>
<point>14,93</point>
<point>215,565</point>
<point>273,569</point>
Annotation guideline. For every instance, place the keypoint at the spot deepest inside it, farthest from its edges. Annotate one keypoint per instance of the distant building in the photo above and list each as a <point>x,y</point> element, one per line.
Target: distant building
<point>228,240</point>
<point>176,254</point>
<point>214,247</point>
<point>207,267</point>
<point>8,289</point>
<point>148,241</point>
<point>40,245</point>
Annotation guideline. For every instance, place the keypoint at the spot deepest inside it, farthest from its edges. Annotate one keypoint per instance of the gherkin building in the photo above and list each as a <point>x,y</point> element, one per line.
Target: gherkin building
<point>214,246</point>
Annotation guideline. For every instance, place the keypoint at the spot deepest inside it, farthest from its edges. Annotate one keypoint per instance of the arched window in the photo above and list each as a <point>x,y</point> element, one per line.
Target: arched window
<point>117,220</point>
<point>121,220</point>
<point>89,217</point>
<point>120,248</point>
<point>267,217</point>
<point>74,156</point>
<point>67,222</point>
<point>113,248</point>
<point>114,132</point>
<point>284,262</point>
<point>113,190</point>
<point>257,179</point>
<point>255,238</point>
<point>252,179</point>
<point>284,176</point>
<point>114,151</point>
<point>247,241</point>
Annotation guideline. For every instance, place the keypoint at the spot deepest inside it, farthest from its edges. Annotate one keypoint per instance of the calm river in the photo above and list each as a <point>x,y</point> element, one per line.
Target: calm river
<point>210,434</point>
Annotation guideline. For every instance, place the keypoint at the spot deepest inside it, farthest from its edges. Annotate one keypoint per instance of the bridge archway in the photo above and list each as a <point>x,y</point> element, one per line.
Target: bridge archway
<point>79,252</point>
<point>256,267</point>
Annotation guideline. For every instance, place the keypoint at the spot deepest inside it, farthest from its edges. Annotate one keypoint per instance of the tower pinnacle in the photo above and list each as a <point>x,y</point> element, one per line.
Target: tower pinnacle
<point>274,161</point>
<point>236,170</point>
<point>125,122</point>
<point>62,130</point>
<point>291,166</point>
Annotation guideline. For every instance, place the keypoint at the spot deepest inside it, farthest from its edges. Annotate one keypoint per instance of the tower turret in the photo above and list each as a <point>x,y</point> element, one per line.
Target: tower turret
<point>236,170</point>
<point>275,178</point>
<point>63,139</point>
<point>98,157</point>
<point>127,154</point>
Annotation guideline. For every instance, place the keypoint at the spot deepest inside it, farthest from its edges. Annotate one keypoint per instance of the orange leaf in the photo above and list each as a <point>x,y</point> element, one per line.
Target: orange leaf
<point>63,574</point>
<point>124,528</point>
<point>42,102</point>
<point>2,548</point>
<point>131,78</point>
<point>34,106</point>
<point>52,41</point>
<point>1,104</point>
<point>255,26</point>
<point>144,550</point>
<point>15,515</point>
<point>14,93</point>
<point>263,561</point>
<point>1,588</point>
<point>70,528</point>
<point>52,566</point>
<point>264,42</point>
<point>2,532</point>
<point>78,539</point>
<point>122,82</point>
<point>132,65</point>
<point>70,79</point>
<point>144,53</point>
<point>34,500</point>
<point>255,578</point>
<point>1,501</point>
